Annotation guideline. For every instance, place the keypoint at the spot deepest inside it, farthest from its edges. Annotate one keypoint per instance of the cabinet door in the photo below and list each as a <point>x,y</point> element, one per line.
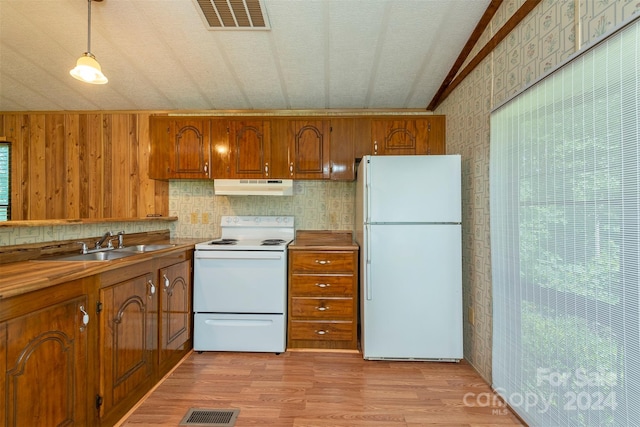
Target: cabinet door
<point>220,149</point>
<point>175,310</point>
<point>342,150</point>
<point>180,148</point>
<point>436,126</point>
<point>250,149</point>
<point>128,336</point>
<point>44,357</point>
<point>191,152</point>
<point>407,136</point>
<point>310,145</point>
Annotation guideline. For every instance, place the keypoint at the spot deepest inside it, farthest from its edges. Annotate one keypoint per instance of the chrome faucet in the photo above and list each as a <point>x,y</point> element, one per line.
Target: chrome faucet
<point>100,242</point>
<point>120,239</point>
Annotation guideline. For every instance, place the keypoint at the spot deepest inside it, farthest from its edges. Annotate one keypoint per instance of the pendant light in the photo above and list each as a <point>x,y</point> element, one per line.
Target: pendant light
<point>87,68</point>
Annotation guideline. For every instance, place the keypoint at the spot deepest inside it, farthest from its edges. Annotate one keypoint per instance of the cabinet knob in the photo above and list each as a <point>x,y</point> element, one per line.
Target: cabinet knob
<point>322,308</point>
<point>266,169</point>
<point>323,261</point>
<point>167,282</point>
<point>323,285</point>
<point>291,168</point>
<point>206,167</point>
<point>322,332</point>
<point>375,147</point>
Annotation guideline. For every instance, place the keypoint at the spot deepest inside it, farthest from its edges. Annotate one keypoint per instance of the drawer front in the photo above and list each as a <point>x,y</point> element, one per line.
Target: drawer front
<point>323,261</point>
<point>321,331</point>
<point>317,285</point>
<point>322,308</point>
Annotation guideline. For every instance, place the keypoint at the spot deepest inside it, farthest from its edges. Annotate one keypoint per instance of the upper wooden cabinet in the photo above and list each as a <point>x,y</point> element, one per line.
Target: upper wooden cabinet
<point>281,147</point>
<point>180,148</point>
<point>408,136</point>
<point>342,153</point>
<point>249,149</point>
<point>309,149</point>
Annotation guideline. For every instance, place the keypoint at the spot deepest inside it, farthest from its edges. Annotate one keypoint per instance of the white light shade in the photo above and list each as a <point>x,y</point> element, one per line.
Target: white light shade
<point>88,70</point>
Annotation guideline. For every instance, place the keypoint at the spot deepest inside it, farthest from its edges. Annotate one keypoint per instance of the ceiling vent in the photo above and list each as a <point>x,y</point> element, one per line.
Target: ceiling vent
<point>234,14</point>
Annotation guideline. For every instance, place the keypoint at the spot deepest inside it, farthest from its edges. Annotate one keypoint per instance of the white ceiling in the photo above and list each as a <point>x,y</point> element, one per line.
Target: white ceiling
<point>159,54</point>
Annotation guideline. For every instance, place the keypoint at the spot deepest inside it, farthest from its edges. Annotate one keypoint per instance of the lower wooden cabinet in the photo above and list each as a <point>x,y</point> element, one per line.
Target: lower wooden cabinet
<point>175,314</point>
<point>322,296</point>
<point>145,329</point>
<point>43,358</point>
<point>83,353</point>
<point>128,336</point>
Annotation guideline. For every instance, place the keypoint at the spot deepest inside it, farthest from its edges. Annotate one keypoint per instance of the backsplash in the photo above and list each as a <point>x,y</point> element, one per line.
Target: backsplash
<point>316,205</point>
<point>24,235</point>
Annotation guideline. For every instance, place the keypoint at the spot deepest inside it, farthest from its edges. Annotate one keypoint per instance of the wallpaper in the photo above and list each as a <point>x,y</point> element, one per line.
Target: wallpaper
<point>544,39</point>
<point>24,235</point>
<point>315,205</point>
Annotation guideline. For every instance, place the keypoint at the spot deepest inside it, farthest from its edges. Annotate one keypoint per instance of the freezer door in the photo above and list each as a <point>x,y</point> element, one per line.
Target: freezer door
<point>413,189</point>
<point>412,296</point>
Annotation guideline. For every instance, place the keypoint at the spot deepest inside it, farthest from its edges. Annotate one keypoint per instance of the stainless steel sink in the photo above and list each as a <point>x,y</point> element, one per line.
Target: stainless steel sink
<point>94,256</point>
<point>144,248</point>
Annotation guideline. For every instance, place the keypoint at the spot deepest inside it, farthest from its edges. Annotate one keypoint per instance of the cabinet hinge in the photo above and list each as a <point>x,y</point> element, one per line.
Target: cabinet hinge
<point>98,401</point>
<point>429,127</point>
<point>330,128</point>
<point>98,307</point>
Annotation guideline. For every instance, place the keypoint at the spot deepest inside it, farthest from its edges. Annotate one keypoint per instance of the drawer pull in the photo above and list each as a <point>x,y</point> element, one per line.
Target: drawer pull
<point>323,285</point>
<point>322,332</point>
<point>322,308</point>
<point>323,261</point>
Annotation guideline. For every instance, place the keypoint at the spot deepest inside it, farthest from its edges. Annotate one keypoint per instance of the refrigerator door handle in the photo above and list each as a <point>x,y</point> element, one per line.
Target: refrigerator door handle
<point>367,266</point>
<point>367,193</point>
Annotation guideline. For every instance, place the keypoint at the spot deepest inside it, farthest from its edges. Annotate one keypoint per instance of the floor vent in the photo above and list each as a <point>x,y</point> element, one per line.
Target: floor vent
<point>210,417</point>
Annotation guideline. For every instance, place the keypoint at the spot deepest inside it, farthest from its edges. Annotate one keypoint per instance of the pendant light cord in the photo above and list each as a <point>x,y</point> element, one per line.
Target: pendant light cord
<point>89,29</point>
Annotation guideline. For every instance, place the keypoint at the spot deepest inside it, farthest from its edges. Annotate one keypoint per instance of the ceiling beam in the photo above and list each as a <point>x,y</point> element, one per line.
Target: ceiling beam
<point>454,78</point>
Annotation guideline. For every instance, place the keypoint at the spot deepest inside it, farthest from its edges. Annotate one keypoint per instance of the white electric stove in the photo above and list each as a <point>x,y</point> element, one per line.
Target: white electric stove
<point>240,285</point>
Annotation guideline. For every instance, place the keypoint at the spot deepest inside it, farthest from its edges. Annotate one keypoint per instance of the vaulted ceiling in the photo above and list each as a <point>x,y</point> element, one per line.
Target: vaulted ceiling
<point>163,54</point>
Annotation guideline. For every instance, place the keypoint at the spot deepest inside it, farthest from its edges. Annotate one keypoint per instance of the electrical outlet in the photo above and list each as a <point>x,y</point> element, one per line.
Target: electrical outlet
<point>205,218</point>
<point>194,218</point>
<point>472,316</point>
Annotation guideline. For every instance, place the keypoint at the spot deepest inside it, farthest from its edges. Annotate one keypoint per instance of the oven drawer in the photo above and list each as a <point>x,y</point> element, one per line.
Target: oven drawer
<point>322,331</point>
<point>317,285</point>
<point>323,261</point>
<point>239,332</point>
<point>240,282</point>
<point>321,308</point>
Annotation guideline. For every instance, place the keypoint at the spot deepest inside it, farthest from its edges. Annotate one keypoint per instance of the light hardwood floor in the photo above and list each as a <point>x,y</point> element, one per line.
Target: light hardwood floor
<point>323,389</point>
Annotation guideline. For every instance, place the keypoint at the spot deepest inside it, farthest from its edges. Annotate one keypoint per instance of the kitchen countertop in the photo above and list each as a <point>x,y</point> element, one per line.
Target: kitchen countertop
<point>27,276</point>
<point>323,240</point>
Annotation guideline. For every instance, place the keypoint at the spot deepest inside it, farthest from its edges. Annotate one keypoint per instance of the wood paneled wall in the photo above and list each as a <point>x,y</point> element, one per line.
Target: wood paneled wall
<point>81,165</point>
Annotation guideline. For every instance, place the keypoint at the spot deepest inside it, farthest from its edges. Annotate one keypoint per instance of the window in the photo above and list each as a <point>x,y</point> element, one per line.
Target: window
<point>565,241</point>
<point>5,181</point>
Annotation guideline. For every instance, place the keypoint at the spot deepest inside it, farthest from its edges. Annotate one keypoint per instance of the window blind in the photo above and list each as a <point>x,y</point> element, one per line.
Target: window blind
<point>5,181</point>
<point>565,241</point>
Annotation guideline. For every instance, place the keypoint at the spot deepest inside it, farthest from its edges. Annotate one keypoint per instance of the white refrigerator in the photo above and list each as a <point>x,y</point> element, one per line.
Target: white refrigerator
<point>408,226</point>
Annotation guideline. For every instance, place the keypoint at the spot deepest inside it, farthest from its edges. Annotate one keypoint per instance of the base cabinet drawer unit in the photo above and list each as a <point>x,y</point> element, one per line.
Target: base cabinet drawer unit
<point>322,295</point>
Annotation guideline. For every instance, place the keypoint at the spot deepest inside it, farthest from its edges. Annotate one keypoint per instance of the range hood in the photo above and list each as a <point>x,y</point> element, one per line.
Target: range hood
<point>253,187</point>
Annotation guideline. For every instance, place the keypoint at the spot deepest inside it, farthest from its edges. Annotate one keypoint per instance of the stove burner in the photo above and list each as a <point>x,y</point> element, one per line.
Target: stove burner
<point>224,242</point>
<point>272,242</point>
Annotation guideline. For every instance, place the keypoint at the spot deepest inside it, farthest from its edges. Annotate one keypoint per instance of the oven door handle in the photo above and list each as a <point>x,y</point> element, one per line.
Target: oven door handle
<point>236,255</point>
